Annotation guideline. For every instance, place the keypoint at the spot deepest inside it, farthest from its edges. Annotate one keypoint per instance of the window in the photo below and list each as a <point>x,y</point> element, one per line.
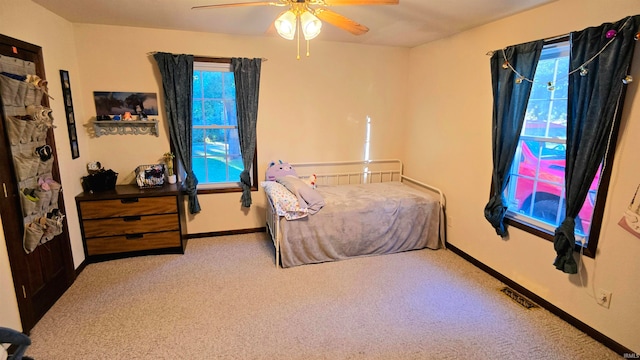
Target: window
<point>216,156</point>
<point>535,192</point>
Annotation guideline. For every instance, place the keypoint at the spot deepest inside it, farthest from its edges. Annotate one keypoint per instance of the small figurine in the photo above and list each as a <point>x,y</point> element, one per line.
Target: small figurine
<point>141,114</point>
<point>127,116</point>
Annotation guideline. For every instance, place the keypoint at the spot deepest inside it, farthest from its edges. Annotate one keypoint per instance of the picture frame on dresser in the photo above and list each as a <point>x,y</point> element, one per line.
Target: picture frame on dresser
<point>68,109</point>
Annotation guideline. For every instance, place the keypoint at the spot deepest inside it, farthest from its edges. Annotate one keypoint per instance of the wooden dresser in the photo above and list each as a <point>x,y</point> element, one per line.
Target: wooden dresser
<point>129,221</point>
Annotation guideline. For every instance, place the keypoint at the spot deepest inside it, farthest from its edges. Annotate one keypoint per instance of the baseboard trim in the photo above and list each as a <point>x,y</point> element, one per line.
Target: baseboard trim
<point>81,267</point>
<point>596,335</point>
<point>225,233</point>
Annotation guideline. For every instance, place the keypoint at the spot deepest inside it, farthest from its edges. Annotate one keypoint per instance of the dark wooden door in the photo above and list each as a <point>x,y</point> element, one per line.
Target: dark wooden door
<point>42,276</point>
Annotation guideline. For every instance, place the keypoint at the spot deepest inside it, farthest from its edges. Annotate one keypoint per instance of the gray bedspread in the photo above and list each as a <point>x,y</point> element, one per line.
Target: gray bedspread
<point>362,220</point>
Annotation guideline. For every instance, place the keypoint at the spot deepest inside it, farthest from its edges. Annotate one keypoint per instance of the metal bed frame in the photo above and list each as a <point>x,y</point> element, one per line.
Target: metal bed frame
<point>390,170</point>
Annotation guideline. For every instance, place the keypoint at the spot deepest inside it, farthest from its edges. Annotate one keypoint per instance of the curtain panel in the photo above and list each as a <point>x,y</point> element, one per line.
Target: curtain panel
<point>510,98</point>
<point>247,79</point>
<point>595,102</point>
<point>177,83</point>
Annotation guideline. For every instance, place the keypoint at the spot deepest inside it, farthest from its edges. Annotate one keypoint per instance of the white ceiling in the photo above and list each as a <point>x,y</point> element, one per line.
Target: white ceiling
<point>408,24</point>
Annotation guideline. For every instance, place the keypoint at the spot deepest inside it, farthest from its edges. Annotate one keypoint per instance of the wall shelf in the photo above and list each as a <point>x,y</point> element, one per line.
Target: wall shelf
<point>123,127</point>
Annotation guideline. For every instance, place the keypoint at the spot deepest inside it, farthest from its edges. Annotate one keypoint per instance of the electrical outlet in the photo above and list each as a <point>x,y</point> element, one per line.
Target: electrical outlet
<point>449,221</point>
<point>604,298</point>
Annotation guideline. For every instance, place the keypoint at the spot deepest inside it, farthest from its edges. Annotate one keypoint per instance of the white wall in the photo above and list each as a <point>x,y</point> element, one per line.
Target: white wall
<point>448,143</point>
<point>310,109</point>
<point>9,316</point>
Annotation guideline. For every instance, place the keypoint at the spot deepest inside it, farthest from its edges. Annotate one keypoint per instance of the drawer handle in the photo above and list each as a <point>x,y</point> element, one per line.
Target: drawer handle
<point>131,218</point>
<point>134,236</point>
<point>129,200</point>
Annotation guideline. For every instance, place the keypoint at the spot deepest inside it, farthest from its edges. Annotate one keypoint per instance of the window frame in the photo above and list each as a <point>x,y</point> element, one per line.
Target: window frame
<point>253,172</point>
<point>591,247</point>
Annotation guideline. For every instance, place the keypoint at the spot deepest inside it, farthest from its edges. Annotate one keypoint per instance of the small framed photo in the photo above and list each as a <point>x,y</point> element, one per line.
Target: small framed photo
<point>68,109</point>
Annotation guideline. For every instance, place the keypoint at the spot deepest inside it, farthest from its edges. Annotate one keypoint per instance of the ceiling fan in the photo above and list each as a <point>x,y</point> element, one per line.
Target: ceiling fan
<point>305,15</point>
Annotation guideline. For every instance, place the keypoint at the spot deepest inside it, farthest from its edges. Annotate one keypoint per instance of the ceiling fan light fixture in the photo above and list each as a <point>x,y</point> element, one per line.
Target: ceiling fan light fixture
<point>286,25</point>
<point>311,25</point>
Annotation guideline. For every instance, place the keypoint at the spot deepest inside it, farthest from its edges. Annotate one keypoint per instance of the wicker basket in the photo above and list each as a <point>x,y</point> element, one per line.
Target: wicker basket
<point>149,176</point>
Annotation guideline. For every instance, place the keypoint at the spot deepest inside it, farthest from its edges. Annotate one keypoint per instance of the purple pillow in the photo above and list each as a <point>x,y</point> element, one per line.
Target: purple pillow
<point>279,170</point>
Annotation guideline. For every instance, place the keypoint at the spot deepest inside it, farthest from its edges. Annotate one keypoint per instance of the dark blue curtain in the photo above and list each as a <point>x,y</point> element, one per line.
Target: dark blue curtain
<point>594,104</point>
<point>510,98</point>
<point>247,78</point>
<point>177,82</point>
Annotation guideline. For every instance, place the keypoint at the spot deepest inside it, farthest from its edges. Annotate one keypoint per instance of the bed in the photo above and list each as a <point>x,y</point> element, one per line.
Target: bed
<point>369,208</point>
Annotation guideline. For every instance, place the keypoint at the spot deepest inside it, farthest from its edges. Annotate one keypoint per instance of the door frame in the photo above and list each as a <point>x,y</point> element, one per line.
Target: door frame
<point>10,210</point>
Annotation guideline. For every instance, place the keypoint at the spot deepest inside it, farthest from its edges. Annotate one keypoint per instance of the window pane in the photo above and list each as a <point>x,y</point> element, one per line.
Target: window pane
<point>199,139</point>
<point>234,146</point>
<point>217,158</point>
<point>229,85</point>
<point>196,113</point>
<point>216,147</point>
<point>197,84</point>
<point>199,168</point>
<point>538,174</point>
<point>230,106</point>
<point>214,112</point>
<point>536,184</point>
<point>212,82</point>
<point>234,155</point>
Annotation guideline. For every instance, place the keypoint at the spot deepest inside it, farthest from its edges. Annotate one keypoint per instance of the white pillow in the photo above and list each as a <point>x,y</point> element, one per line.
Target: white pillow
<point>285,203</point>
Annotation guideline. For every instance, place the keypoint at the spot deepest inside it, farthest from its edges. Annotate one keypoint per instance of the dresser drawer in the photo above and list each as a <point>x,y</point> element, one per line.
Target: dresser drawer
<point>133,242</point>
<point>128,207</point>
<point>129,221</point>
<point>130,225</point>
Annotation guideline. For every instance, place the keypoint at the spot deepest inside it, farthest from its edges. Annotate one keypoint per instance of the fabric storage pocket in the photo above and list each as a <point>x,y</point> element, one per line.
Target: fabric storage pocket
<point>29,204</point>
<point>44,167</point>
<point>27,134</point>
<point>55,192</point>
<point>33,95</point>
<point>44,199</point>
<point>33,233</point>
<point>52,228</point>
<point>26,166</point>
<point>40,132</point>
<point>44,120</point>
<point>13,91</point>
<point>16,127</point>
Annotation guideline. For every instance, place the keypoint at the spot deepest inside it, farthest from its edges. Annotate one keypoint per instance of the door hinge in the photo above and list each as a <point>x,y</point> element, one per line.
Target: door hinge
<point>24,292</point>
<point>4,187</point>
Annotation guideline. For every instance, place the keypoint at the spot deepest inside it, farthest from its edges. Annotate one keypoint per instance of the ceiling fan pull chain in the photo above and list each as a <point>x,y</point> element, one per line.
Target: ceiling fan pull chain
<point>307,48</point>
<point>299,28</point>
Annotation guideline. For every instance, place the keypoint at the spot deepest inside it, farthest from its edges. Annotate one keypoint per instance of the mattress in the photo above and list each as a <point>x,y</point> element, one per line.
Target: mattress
<point>362,220</point>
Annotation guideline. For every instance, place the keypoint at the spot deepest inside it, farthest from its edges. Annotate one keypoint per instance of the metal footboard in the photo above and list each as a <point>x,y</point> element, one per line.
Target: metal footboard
<point>273,227</point>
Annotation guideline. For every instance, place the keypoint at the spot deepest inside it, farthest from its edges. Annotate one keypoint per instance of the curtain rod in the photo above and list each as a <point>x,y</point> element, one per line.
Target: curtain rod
<point>202,56</point>
<point>549,39</point>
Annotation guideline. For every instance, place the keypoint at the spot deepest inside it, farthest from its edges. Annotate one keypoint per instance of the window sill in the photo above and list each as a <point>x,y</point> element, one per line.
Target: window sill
<point>544,234</point>
<point>221,189</point>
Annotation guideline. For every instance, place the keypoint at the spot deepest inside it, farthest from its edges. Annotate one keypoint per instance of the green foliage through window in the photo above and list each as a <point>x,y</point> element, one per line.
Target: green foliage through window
<point>215,144</point>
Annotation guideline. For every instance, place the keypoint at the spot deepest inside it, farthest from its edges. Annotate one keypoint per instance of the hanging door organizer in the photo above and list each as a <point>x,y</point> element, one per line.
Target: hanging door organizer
<point>27,123</point>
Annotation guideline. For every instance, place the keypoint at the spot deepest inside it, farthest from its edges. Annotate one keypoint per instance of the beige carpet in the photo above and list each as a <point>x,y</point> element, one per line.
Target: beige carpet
<point>224,299</point>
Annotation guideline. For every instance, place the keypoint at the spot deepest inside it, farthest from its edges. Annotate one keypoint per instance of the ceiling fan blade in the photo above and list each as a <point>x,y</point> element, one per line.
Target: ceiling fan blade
<point>360,2</point>
<point>255,3</point>
<point>340,21</point>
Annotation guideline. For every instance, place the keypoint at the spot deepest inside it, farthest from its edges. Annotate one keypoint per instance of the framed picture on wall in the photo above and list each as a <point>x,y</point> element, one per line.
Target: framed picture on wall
<point>68,109</point>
